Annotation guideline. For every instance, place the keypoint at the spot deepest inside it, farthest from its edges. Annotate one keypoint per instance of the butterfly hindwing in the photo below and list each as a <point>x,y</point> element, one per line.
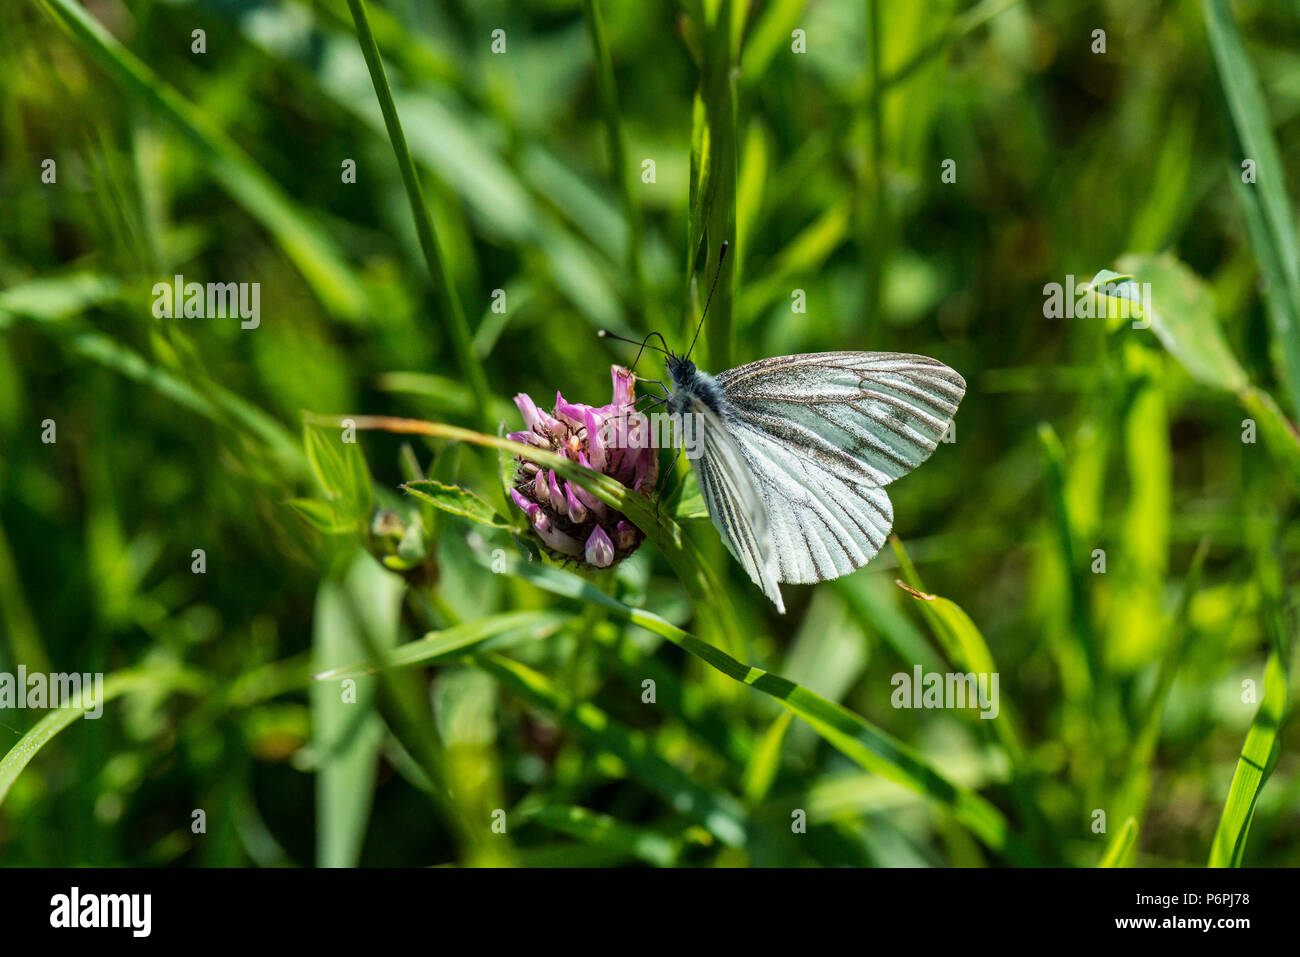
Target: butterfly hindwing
<point>735,503</point>
<point>822,527</point>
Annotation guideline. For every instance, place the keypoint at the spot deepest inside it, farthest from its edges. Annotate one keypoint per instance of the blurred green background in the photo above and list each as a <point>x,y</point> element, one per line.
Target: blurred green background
<point>524,737</point>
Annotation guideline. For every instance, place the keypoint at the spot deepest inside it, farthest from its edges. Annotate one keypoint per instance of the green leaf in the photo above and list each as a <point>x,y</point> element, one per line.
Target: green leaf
<point>686,502</point>
<point>1280,435</point>
<point>769,36</point>
<point>340,470</point>
<point>457,501</point>
<point>347,731</point>
<point>434,259</point>
<point>858,739</point>
<point>323,516</point>
<point>53,298</point>
<point>1123,847</point>
<point>1121,297</point>
<point>1276,246</point>
<point>1258,757</point>
<point>305,242</point>
<point>765,761</point>
<point>871,599</point>
<point>606,831</point>
<point>1285,347</point>
<point>151,680</point>
<point>711,600</point>
<point>457,640</point>
<point>961,641</point>
<point>359,493</point>
<point>965,647</point>
<point>716,810</point>
<point>325,456</point>
<point>1183,318</point>
<point>1182,315</point>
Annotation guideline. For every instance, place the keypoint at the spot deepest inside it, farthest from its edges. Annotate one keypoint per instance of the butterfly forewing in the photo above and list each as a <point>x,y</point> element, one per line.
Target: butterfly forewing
<point>735,504</point>
<point>867,417</point>
<point>821,433</point>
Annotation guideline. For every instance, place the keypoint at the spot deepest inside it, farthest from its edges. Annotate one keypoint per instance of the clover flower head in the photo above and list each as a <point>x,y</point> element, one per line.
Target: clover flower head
<point>571,523</point>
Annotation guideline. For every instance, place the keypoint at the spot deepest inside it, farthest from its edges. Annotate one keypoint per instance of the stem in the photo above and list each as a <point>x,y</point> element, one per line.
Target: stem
<point>433,256</point>
<point>711,600</point>
<point>878,241</point>
<point>619,170</point>
<point>718,93</point>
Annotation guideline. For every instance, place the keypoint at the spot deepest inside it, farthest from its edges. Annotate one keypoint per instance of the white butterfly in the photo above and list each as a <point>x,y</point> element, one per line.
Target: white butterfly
<point>796,451</point>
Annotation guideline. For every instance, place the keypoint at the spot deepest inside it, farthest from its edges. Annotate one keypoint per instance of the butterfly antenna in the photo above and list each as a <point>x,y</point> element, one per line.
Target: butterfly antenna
<point>606,334</point>
<point>722,254</point>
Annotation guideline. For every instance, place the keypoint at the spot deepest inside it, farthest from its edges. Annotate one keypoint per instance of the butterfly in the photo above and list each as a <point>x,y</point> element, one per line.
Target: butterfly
<point>794,453</point>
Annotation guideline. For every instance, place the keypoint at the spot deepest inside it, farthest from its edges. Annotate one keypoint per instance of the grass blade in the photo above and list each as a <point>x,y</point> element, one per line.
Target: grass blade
<point>765,762</point>
<point>347,732</point>
<point>1258,757</point>
<point>456,640</point>
<point>714,202</point>
<point>967,650</point>
<point>1250,117</point>
<point>433,255</point>
<point>115,685</point>
<point>1280,435</point>
<point>1124,846</point>
<point>305,242</point>
<point>1078,658</point>
<point>48,301</point>
<point>620,172</point>
<point>711,600</point>
<point>717,811</point>
<point>1137,784</point>
<point>854,736</point>
<point>605,831</point>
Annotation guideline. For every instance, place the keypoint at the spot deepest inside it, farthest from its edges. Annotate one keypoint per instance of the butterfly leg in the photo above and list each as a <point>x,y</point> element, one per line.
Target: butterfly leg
<point>654,403</point>
<point>672,466</point>
<point>667,394</point>
<point>668,472</point>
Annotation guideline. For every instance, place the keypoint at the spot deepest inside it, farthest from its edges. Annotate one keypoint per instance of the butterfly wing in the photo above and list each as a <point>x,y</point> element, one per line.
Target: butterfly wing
<point>822,433</point>
<point>735,504</point>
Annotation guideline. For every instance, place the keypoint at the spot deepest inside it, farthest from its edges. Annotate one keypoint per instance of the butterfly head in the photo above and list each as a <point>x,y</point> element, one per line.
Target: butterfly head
<point>681,370</point>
